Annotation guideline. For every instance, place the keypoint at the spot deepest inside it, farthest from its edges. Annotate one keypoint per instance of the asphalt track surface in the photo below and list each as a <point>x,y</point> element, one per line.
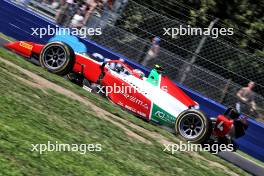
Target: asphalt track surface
<point>232,157</point>
<point>245,164</point>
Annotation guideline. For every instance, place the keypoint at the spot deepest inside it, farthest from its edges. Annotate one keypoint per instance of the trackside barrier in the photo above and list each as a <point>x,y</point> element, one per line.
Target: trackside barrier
<point>16,22</point>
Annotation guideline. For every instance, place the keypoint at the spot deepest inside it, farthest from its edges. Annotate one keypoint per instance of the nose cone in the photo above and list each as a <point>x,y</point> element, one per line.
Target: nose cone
<point>12,46</point>
<point>8,45</point>
<point>23,48</point>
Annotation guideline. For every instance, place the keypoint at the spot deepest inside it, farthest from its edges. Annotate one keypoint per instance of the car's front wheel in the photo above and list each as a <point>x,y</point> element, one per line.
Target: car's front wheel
<point>57,57</point>
<point>192,125</point>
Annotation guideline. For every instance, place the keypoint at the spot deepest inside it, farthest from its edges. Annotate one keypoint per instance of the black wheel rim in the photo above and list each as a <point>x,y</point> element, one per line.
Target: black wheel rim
<point>54,57</point>
<point>191,126</point>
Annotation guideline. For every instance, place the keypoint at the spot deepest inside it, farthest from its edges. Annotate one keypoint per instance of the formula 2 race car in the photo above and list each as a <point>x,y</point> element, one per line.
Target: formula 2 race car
<point>154,98</point>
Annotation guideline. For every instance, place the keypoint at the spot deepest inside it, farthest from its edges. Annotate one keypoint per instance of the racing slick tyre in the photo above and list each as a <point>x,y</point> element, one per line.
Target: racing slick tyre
<point>57,57</point>
<point>193,126</point>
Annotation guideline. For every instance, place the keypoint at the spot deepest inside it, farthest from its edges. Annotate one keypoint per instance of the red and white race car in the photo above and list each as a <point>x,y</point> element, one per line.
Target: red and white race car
<point>154,98</point>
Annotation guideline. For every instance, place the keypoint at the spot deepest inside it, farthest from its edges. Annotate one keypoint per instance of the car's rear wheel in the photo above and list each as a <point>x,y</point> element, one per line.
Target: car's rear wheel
<point>192,125</point>
<point>57,57</point>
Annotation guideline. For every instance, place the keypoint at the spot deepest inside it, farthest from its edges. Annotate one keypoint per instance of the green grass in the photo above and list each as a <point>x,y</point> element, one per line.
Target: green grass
<point>29,116</point>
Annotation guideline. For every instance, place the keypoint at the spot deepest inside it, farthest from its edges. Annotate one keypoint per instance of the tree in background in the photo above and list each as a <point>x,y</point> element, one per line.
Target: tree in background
<point>244,15</point>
